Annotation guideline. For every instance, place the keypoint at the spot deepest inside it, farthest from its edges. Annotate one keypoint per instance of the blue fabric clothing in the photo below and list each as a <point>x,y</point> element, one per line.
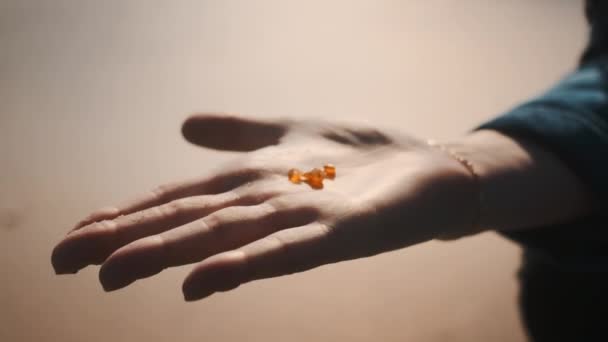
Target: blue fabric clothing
<point>564,276</point>
<point>571,120</point>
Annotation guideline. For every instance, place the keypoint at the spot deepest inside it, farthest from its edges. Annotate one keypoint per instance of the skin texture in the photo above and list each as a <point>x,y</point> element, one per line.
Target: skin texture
<point>246,221</point>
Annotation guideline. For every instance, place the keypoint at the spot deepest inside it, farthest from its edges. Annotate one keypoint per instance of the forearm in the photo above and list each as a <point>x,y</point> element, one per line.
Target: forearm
<point>522,185</point>
<point>548,165</point>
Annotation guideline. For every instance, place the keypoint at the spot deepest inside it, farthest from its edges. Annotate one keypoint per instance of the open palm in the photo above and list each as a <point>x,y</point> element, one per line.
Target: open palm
<point>246,221</point>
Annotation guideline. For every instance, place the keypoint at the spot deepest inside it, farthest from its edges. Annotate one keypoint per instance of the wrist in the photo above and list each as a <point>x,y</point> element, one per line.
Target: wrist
<point>473,183</point>
<point>522,184</point>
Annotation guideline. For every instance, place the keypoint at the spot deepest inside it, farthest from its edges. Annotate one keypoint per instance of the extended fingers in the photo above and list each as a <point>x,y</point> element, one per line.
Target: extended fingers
<point>284,252</point>
<point>92,244</point>
<point>223,230</point>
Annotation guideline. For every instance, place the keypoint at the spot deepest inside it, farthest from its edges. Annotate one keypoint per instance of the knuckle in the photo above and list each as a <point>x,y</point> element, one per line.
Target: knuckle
<point>164,211</point>
<point>237,178</point>
<point>105,225</point>
<point>293,204</point>
<point>255,198</point>
<point>325,230</point>
<point>210,223</point>
<point>291,263</point>
<point>269,208</point>
<point>106,229</point>
<point>278,241</point>
<point>255,168</point>
<point>251,164</point>
<point>214,227</point>
<point>102,212</point>
<point>278,203</point>
<point>257,192</point>
<point>160,192</point>
<point>173,208</point>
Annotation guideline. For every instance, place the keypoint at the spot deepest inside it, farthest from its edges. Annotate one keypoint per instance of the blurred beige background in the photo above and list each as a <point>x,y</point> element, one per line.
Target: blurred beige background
<point>92,94</point>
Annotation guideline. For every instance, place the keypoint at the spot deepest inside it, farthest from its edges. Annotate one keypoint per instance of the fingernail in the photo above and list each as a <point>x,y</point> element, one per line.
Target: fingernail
<point>188,297</point>
<point>111,282</point>
<point>188,293</point>
<point>192,296</point>
<point>109,287</point>
<point>64,271</point>
<point>192,292</point>
<point>58,261</point>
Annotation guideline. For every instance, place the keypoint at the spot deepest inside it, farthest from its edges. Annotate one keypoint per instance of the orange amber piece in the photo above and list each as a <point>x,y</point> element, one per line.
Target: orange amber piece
<point>314,178</point>
<point>295,176</point>
<point>330,171</point>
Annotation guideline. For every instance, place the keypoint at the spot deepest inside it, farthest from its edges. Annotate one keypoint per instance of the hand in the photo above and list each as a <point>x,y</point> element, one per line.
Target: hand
<point>246,221</point>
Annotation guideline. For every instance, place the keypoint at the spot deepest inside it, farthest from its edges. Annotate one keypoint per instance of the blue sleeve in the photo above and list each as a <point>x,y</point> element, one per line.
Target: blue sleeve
<point>571,120</point>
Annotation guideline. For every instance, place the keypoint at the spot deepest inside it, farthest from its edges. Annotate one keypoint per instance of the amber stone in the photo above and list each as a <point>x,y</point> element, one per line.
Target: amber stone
<point>330,171</point>
<point>295,176</point>
<point>314,178</point>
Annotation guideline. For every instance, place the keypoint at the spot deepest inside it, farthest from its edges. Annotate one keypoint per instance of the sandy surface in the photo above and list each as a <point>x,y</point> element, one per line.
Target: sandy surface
<point>92,94</point>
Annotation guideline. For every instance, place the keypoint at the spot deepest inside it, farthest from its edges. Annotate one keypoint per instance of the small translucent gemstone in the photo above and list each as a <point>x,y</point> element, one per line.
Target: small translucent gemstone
<point>295,176</point>
<point>330,171</point>
<point>314,178</point>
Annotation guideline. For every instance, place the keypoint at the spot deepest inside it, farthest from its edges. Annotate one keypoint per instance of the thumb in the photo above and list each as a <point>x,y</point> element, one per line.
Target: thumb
<point>232,133</point>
